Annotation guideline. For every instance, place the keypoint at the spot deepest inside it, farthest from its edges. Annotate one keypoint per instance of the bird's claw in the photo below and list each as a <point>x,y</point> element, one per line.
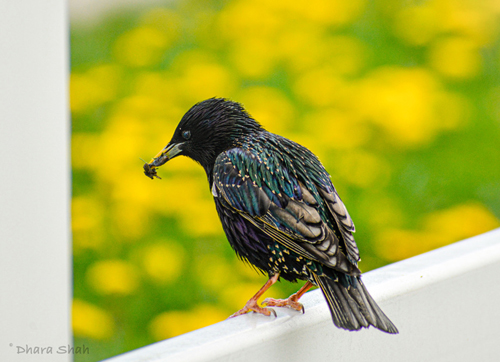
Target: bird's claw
<point>254,307</point>
<point>288,303</point>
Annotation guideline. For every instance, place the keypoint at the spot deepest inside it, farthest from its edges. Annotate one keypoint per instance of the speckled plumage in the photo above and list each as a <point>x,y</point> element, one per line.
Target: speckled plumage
<point>278,206</point>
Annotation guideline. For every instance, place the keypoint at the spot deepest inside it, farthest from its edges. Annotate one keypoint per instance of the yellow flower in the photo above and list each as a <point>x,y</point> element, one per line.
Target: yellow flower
<point>417,25</point>
<point>493,6</point>
<point>337,129</point>
<point>140,107</point>
<point>163,262</point>
<point>86,213</point>
<point>84,150</point>
<point>325,12</point>
<point>401,102</point>
<point>174,323</point>
<point>120,145</point>
<point>254,57</point>
<point>263,33</point>
<point>214,272</point>
<point>158,89</point>
<point>456,57</point>
<point>130,219</point>
<point>384,211</point>
<point>345,54</point>
<point>461,221</point>
<point>91,321</point>
<point>200,218</point>
<point>86,222</point>
<point>408,104</point>
<point>363,169</point>
<point>95,87</point>
<point>269,106</point>
<point>243,19</point>
<point>180,191</point>
<point>301,46</point>
<point>140,47</point>
<point>397,244</point>
<point>474,20</point>
<point>205,80</point>
<point>440,228</point>
<point>320,87</point>
<point>113,277</point>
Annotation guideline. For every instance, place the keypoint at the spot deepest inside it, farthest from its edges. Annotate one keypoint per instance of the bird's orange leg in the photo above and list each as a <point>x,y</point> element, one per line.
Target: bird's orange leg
<point>253,306</point>
<point>292,301</point>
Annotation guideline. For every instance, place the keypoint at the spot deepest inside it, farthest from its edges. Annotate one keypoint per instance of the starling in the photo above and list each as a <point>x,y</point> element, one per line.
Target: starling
<point>279,210</point>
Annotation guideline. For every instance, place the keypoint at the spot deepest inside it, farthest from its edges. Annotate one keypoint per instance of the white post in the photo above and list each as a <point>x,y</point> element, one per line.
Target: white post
<point>35,259</point>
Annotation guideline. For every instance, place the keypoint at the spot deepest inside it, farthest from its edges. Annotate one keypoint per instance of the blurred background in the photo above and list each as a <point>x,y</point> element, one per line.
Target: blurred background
<point>400,99</point>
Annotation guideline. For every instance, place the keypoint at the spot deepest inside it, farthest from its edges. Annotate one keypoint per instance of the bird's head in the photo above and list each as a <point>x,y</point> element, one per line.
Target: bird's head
<point>207,129</point>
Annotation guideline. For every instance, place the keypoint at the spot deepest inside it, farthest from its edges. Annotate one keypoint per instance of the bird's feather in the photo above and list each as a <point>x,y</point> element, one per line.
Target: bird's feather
<point>351,306</point>
<point>288,211</point>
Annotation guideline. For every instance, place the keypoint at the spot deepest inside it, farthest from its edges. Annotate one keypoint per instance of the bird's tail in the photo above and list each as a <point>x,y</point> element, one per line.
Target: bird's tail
<point>351,306</point>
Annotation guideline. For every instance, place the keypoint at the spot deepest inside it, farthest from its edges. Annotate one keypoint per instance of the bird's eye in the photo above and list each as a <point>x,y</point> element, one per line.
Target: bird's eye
<point>186,135</point>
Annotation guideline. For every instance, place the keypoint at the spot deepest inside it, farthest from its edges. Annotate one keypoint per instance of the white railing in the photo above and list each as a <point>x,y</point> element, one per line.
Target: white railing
<point>444,302</point>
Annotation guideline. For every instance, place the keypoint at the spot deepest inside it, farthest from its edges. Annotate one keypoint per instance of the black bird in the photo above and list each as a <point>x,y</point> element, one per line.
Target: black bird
<point>279,210</point>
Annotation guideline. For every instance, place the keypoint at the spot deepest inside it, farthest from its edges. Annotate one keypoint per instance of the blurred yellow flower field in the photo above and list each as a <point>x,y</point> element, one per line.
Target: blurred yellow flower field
<point>400,100</point>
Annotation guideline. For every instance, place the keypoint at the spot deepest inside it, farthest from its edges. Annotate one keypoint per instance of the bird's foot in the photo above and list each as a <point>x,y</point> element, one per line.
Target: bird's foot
<point>291,303</point>
<point>252,306</point>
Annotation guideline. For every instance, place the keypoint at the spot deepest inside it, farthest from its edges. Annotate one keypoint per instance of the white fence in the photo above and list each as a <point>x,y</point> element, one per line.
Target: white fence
<point>35,255</point>
<point>444,302</point>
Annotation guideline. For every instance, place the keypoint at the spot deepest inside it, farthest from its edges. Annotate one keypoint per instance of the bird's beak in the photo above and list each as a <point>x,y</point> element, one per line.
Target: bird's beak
<point>170,151</point>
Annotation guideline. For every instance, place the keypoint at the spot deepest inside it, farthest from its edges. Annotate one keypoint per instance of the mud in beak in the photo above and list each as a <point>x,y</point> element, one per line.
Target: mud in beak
<point>170,151</point>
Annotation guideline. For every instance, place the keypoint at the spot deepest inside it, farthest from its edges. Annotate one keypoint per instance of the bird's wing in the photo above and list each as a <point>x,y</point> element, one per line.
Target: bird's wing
<point>279,205</point>
<point>308,166</point>
<point>343,220</point>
